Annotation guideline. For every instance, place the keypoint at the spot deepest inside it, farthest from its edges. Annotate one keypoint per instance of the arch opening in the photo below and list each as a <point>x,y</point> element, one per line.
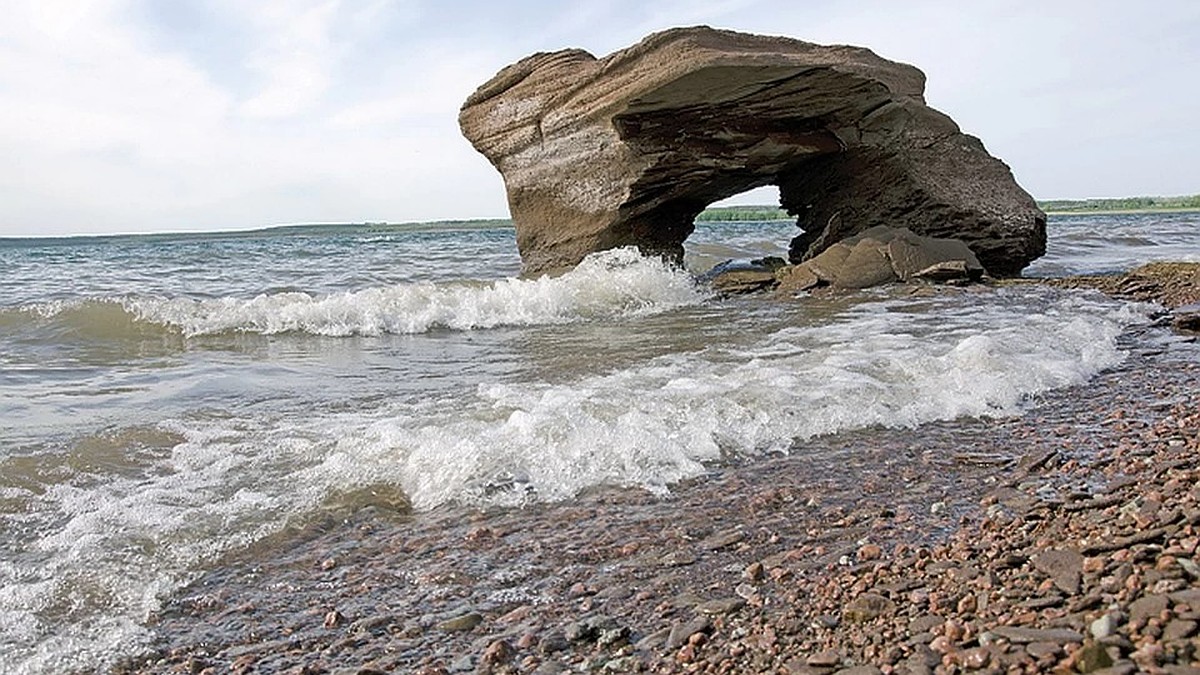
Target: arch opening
<point>743,230</point>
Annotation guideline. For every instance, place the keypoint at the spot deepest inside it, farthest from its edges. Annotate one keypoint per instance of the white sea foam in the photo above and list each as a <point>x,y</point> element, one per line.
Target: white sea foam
<point>609,284</point>
<point>109,550</point>
<point>658,423</point>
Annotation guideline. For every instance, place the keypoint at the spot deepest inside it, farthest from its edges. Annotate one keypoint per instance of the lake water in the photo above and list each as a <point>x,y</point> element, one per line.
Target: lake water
<point>166,400</point>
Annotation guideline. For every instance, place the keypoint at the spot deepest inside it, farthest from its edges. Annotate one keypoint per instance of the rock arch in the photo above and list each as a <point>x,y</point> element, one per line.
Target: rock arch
<point>628,149</point>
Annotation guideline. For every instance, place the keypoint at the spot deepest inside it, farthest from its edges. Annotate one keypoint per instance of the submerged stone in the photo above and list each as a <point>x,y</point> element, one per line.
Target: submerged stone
<point>882,255</point>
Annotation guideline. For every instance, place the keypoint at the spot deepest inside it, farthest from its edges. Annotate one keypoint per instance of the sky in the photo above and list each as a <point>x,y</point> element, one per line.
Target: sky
<point>164,115</point>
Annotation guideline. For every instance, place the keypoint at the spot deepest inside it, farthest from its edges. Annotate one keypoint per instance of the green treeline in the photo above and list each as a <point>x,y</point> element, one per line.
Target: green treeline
<point>1121,204</point>
<point>746,213</point>
<point>752,213</point>
<point>1183,203</point>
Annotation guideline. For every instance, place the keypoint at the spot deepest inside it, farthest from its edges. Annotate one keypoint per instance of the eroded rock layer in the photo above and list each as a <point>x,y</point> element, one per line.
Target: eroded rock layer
<point>628,149</point>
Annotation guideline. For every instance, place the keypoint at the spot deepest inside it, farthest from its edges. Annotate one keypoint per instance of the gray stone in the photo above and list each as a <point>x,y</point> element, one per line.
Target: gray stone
<point>680,632</point>
<point>925,623</point>
<point>1147,607</point>
<point>738,282</point>
<point>1021,635</point>
<point>1042,649</point>
<point>463,664</point>
<point>1064,566</point>
<point>552,643</point>
<point>612,635</point>
<point>1179,629</point>
<point>677,559</point>
<point>1188,596</point>
<point>721,606</point>
<point>723,540</point>
<point>1104,626</point>
<point>1190,566</point>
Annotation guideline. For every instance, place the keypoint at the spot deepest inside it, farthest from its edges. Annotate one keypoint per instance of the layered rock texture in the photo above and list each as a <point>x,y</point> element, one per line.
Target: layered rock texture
<point>628,149</point>
<point>879,255</point>
<point>882,255</point>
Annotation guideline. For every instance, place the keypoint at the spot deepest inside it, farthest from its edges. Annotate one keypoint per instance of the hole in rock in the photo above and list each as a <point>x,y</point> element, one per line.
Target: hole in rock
<point>735,231</point>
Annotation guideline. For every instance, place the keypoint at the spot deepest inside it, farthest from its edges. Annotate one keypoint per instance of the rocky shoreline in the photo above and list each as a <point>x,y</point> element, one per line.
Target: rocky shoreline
<point>1062,540</point>
<point>1174,285</point>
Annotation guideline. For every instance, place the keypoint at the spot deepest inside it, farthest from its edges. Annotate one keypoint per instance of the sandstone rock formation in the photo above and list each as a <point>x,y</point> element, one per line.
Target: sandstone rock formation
<point>628,149</point>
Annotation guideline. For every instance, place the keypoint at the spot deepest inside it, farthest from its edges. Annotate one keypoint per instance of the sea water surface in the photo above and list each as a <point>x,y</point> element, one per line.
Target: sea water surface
<point>169,399</point>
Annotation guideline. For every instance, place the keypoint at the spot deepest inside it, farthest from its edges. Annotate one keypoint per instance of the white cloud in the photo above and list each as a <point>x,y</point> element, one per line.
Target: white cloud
<point>296,58</point>
<point>344,110</point>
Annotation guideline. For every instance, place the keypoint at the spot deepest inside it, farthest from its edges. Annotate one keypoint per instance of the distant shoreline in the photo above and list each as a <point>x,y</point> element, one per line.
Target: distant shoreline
<point>1117,212</point>
<point>1050,207</point>
<point>720,214</point>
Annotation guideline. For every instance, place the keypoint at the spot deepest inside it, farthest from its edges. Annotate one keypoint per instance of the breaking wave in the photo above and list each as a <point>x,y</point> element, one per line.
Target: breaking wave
<point>609,284</point>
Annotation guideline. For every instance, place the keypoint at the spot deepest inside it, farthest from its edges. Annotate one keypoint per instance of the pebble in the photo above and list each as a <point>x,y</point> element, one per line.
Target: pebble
<point>968,604</point>
<point>976,658</point>
<point>824,659</point>
<point>721,606</point>
<point>925,623</point>
<point>1041,650</point>
<point>333,619</point>
<point>869,552</point>
<point>1103,627</point>
<point>1092,657</point>
<point>754,572</point>
<point>1147,607</point>
<point>681,632</point>
<point>1063,566</point>
<point>463,622</point>
<point>723,540</point>
<point>746,591</point>
<point>678,559</point>
<point>499,651</point>
<point>1179,630</point>
<point>1021,635</point>
<point>868,606</point>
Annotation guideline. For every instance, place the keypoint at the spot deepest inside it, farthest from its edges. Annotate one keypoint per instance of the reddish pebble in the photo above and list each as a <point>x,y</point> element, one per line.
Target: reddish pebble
<point>870,552</point>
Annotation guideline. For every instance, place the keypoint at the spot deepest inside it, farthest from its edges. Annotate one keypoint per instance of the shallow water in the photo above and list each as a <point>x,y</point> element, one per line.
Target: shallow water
<point>1112,243</point>
<point>166,400</point>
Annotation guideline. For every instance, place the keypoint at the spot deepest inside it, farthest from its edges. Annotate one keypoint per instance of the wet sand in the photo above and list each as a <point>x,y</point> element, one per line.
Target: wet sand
<point>1065,538</point>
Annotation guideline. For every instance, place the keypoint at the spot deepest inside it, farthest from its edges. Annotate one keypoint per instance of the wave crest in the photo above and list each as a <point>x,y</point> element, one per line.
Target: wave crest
<point>611,283</point>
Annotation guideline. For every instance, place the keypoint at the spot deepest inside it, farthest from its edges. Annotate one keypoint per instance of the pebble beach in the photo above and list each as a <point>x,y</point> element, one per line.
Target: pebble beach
<point>1061,540</point>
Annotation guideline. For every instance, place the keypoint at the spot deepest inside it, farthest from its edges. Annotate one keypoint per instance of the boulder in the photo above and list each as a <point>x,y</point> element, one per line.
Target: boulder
<point>881,255</point>
<point>628,149</point>
<point>738,277</point>
<point>740,281</point>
